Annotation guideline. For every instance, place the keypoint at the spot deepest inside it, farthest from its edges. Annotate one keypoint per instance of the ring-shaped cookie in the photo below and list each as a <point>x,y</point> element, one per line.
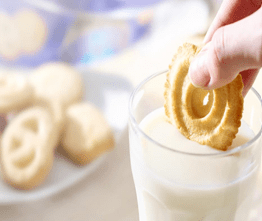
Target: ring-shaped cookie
<point>215,123</point>
<point>27,151</point>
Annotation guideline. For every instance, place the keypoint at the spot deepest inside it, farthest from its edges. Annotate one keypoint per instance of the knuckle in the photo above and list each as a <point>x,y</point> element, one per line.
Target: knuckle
<point>219,51</point>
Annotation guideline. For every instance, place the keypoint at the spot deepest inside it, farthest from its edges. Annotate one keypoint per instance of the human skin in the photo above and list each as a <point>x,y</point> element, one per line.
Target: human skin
<point>233,45</point>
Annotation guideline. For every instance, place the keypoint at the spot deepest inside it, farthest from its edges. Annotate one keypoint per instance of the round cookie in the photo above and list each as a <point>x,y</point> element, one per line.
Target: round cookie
<point>56,112</point>
<point>59,82</point>
<point>33,30</point>
<point>86,134</point>
<point>10,42</point>
<point>15,92</point>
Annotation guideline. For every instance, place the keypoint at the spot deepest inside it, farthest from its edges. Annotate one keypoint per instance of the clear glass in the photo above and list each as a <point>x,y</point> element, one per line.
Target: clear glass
<point>182,186</point>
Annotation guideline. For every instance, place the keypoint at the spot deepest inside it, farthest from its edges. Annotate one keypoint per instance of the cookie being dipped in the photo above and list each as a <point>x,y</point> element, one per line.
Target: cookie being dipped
<point>215,123</point>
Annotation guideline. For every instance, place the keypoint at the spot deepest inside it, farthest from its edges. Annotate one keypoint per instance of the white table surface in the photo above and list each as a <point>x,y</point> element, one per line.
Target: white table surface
<point>108,194</point>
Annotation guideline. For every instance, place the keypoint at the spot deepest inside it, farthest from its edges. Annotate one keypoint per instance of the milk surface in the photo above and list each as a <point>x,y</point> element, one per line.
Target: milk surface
<point>181,186</point>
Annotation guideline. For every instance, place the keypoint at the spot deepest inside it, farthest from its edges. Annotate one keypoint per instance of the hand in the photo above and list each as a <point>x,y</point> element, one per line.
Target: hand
<point>233,46</point>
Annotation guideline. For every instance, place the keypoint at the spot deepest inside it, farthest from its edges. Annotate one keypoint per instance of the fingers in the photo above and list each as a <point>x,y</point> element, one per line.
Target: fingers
<point>248,77</point>
<point>230,12</point>
<point>234,48</point>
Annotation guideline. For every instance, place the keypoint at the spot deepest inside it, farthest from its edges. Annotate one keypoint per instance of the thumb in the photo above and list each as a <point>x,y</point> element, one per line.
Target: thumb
<point>233,48</point>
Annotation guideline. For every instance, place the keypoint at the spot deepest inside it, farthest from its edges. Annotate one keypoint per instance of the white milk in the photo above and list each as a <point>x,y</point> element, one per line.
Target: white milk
<point>181,187</point>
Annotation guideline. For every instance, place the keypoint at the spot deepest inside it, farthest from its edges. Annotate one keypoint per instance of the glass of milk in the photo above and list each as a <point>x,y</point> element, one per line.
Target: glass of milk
<point>180,180</point>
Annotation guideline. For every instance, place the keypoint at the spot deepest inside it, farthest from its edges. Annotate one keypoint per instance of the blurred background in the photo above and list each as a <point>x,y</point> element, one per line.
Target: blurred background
<point>87,31</point>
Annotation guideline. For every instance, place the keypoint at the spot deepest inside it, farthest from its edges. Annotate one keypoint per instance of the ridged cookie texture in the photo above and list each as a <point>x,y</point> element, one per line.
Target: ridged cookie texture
<point>209,117</point>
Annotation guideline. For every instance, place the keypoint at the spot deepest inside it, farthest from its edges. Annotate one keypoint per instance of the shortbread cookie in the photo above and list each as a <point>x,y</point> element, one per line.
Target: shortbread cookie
<point>3,122</point>
<point>33,30</point>
<point>57,113</point>
<point>215,123</point>
<point>15,92</point>
<point>10,42</point>
<point>57,81</point>
<point>87,134</point>
<point>27,148</point>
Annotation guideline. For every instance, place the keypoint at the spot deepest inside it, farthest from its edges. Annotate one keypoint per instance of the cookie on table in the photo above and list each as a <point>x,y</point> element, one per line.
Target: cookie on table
<point>87,134</point>
<point>27,148</point>
<point>57,81</point>
<point>16,92</point>
<point>57,114</point>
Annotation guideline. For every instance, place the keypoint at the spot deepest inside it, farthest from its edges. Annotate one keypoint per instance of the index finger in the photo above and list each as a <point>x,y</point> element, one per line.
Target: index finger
<point>230,12</point>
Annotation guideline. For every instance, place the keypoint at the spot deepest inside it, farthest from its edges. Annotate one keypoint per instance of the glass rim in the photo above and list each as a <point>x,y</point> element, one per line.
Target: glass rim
<point>219,154</point>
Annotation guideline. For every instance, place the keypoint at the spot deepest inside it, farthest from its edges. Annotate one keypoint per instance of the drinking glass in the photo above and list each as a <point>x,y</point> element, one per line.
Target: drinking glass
<point>172,185</point>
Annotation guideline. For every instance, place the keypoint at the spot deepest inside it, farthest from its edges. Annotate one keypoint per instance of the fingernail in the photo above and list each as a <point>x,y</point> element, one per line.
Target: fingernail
<point>198,72</point>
